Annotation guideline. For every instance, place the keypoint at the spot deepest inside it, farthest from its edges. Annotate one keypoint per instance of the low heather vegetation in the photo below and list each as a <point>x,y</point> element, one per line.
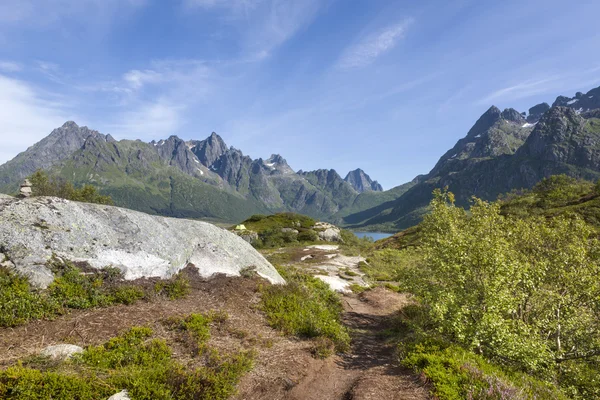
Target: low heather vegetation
<point>137,362</point>
<point>307,308</point>
<point>74,288</point>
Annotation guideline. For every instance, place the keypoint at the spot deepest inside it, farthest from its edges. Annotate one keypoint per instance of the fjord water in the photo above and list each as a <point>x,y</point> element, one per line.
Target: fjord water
<point>374,235</point>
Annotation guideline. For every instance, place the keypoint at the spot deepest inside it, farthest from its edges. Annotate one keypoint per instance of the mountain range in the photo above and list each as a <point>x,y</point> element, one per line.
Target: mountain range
<point>504,150</point>
<point>194,179</point>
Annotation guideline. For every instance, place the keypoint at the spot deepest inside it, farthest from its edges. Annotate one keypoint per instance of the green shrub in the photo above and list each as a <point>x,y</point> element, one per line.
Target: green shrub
<point>522,292</point>
<point>308,235</point>
<point>198,325</point>
<point>18,303</point>
<point>127,294</point>
<point>305,307</point>
<point>43,185</point>
<point>23,383</point>
<point>175,288</point>
<point>456,374</point>
<point>73,289</point>
<point>132,361</point>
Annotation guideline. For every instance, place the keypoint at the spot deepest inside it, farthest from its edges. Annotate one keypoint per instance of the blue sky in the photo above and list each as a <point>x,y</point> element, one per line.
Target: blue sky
<point>385,85</point>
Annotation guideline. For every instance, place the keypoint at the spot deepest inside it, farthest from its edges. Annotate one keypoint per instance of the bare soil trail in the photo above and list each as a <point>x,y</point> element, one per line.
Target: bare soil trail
<point>370,370</point>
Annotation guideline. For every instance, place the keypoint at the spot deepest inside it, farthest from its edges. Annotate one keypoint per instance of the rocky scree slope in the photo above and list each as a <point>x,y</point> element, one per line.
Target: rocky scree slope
<point>504,150</point>
<point>34,230</point>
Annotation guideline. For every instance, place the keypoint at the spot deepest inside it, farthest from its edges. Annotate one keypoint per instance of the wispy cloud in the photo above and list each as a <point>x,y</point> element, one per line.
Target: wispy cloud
<point>564,82</point>
<point>27,114</point>
<point>10,66</point>
<point>373,45</point>
<point>154,120</point>
<point>521,90</point>
<point>266,24</point>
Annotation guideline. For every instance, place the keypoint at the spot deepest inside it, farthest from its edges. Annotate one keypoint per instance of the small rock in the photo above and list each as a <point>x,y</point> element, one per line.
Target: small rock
<point>122,395</point>
<point>288,384</point>
<point>324,247</point>
<point>306,257</point>
<point>61,351</point>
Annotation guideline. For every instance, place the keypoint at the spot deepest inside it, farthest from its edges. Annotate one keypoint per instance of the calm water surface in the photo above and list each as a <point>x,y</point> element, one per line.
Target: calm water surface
<point>374,235</point>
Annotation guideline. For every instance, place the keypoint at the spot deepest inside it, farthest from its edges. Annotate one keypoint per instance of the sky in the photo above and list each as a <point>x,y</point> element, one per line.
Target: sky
<point>384,85</point>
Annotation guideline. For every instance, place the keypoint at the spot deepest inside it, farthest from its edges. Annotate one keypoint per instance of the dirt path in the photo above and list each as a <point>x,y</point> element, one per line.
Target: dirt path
<point>370,370</point>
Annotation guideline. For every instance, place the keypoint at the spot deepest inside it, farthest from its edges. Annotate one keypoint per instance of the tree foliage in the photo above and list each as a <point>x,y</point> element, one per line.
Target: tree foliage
<point>521,291</point>
<point>44,185</point>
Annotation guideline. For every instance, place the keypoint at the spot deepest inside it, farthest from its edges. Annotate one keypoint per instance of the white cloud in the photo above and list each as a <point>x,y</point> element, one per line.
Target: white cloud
<point>9,66</point>
<point>137,79</point>
<point>151,120</point>
<point>27,115</point>
<point>564,83</point>
<point>520,90</point>
<point>373,45</point>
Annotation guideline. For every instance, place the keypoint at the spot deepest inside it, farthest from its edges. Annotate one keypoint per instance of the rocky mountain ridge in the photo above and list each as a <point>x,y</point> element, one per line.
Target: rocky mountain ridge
<point>196,178</point>
<point>504,150</point>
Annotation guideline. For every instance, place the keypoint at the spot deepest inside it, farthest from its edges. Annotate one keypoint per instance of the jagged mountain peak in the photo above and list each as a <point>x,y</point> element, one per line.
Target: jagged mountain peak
<point>361,182</point>
<point>512,115</point>
<point>210,149</point>
<point>581,102</point>
<point>276,164</point>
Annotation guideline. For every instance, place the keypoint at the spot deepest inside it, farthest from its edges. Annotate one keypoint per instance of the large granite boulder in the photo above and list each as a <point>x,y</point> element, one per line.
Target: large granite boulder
<point>140,245</point>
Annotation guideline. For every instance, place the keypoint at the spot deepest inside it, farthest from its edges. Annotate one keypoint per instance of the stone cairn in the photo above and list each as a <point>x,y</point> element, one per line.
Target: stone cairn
<point>26,190</point>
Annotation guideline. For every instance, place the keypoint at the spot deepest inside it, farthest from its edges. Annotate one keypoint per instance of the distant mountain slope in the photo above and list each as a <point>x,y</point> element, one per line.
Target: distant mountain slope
<point>197,178</point>
<point>504,150</point>
<point>361,182</point>
<point>57,146</point>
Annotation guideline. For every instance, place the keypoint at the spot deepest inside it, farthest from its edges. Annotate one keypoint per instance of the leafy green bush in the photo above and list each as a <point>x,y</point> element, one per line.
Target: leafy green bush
<point>305,307</point>
<point>43,185</point>
<point>308,235</point>
<point>522,292</point>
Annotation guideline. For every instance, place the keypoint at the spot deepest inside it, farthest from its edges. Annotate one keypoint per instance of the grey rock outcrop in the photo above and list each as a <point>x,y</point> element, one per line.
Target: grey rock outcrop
<point>328,232</point>
<point>61,351</point>
<point>140,245</point>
